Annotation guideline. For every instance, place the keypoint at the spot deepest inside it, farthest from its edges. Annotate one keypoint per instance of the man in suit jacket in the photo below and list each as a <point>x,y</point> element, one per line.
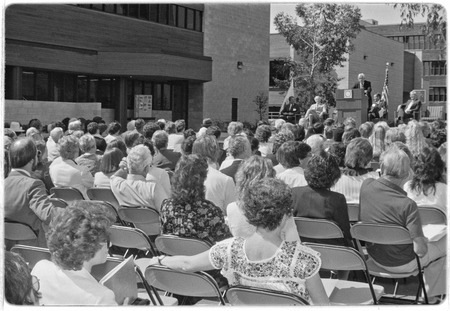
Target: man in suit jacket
<point>26,200</point>
<point>290,109</point>
<point>406,111</point>
<point>164,158</point>
<point>366,86</point>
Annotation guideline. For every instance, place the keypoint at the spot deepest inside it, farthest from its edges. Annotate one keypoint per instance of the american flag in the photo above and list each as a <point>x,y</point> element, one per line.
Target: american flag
<point>385,92</point>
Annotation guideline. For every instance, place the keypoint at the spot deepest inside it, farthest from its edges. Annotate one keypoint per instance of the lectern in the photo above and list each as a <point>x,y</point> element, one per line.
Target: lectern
<point>352,103</point>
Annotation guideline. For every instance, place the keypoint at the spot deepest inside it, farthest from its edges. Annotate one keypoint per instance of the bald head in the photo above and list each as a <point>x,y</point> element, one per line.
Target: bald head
<point>22,151</point>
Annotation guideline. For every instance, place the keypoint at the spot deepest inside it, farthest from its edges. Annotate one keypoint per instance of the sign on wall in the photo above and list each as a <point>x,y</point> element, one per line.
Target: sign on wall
<point>143,106</point>
<point>422,95</point>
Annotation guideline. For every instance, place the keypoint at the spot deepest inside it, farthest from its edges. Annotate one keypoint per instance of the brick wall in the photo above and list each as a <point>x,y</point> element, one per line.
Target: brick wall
<point>236,32</point>
<point>24,110</point>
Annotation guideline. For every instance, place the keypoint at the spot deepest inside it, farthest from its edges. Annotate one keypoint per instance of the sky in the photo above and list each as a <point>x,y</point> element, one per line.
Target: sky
<point>384,14</point>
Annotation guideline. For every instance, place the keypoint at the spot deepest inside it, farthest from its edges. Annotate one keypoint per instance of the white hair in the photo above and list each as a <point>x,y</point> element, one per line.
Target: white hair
<point>361,75</point>
<point>138,158</point>
<point>395,163</point>
<point>56,134</point>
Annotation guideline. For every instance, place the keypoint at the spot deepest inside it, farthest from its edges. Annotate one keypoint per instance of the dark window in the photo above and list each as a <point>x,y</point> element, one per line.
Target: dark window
<point>234,109</point>
<point>143,11</point>
<point>190,19</point>
<point>105,92</point>
<point>69,87</point>
<point>198,20</point>
<point>173,15</point>
<point>279,71</point>
<point>438,94</point>
<point>163,13</point>
<point>93,88</point>
<point>42,86</point>
<point>167,97</point>
<point>133,10</point>
<point>435,68</point>
<point>153,12</point>
<point>181,18</point>
<point>28,85</point>
<point>110,8</point>
<point>82,88</point>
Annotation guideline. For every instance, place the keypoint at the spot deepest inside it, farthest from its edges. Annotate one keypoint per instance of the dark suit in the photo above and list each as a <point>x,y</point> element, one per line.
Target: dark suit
<point>232,169</point>
<point>323,204</point>
<point>26,201</point>
<point>367,86</point>
<point>166,159</point>
<point>289,111</point>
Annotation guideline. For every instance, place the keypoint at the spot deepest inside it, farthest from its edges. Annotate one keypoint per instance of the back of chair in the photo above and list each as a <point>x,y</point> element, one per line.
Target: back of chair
<point>193,284</point>
<point>58,202</point>
<point>317,228</point>
<point>146,219</point>
<point>336,257</point>
<point>252,296</point>
<point>130,238</point>
<point>432,215</point>
<point>353,212</point>
<point>112,210</point>
<point>68,194</point>
<point>103,194</point>
<point>387,234</point>
<point>16,231</point>
<point>99,271</point>
<point>175,245</point>
<point>31,254</point>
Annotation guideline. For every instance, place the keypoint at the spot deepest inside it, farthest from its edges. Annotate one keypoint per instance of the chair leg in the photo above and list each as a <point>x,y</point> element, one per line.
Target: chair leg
<point>396,288</point>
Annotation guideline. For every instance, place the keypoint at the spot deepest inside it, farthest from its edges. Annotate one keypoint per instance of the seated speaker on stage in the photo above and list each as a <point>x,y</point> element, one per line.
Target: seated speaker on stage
<point>318,111</point>
<point>410,109</point>
<point>289,110</point>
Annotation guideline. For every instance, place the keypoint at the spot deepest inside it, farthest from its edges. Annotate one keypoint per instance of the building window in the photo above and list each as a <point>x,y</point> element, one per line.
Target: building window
<point>277,71</point>
<point>167,14</point>
<point>435,68</point>
<point>438,94</point>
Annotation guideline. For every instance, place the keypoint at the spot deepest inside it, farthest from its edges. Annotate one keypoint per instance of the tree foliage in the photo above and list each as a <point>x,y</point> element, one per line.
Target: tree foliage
<point>322,39</point>
<point>261,102</point>
<point>435,26</point>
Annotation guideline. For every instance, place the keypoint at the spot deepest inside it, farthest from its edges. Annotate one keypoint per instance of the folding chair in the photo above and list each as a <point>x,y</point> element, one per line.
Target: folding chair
<point>133,238</point>
<point>387,234</point>
<point>58,202</point>
<point>253,296</point>
<point>31,254</point>
<point>99,271</point>
<point>68,194</point>
<point>146,219</point>
<point>353,212</point>
<point>317,228</point>
<point>19,233</point>
<point>103,194</point>
<point>432,215</point>
<point>346,258</point>
<point>112,210</point>
<point>175,245</point>
<point>192,284</point>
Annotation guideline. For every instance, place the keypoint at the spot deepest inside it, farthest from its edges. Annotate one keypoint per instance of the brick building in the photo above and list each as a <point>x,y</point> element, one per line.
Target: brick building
<point>84,60</point>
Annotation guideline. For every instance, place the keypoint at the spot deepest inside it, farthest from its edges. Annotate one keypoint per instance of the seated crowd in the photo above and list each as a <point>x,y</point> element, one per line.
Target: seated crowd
<point>239,194</point>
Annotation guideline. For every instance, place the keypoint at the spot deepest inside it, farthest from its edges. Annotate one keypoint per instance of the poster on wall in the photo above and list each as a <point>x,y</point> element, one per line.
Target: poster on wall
<point>143,106</point>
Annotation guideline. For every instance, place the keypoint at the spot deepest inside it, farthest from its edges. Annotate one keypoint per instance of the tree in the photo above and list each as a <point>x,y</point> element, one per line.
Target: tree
<point>322,40</point>
<point>435,27</point>
<point>262,105</point>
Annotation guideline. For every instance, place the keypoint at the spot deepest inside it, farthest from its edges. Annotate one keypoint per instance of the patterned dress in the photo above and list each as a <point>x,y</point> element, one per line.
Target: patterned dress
<point>287,270</point>
<point>202,220</point>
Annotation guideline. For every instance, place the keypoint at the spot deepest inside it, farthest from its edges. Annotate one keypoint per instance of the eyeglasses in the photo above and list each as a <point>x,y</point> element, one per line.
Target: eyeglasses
<point>35,282</point>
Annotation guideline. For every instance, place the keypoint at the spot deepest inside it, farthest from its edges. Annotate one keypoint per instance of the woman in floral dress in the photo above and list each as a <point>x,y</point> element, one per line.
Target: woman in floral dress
<point>187,213</point>
<point>263,259</point>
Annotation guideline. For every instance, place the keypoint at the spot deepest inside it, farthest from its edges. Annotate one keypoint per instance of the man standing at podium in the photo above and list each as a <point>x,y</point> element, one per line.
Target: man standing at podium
<point>365,85</point>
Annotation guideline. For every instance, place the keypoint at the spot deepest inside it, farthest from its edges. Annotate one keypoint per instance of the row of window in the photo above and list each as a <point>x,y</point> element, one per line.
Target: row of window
<point>168,14</point>
<point>67,87</point>
<point>435,68</point>
<point>437,94</point>
<point>417,42</point>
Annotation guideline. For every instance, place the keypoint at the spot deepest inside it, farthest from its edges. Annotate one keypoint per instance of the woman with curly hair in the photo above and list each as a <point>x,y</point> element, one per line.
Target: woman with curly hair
<point>252,169</point>
<point>77,240</point>
<point>263,259</point>
<point>187,213</point>
<point>317,200</point>
<point>427,187</point>
<point>262,134</point>
<point>358,154</point>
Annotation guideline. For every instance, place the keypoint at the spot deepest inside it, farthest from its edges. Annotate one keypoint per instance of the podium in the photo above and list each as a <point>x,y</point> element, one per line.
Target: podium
<point>351,103</point>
